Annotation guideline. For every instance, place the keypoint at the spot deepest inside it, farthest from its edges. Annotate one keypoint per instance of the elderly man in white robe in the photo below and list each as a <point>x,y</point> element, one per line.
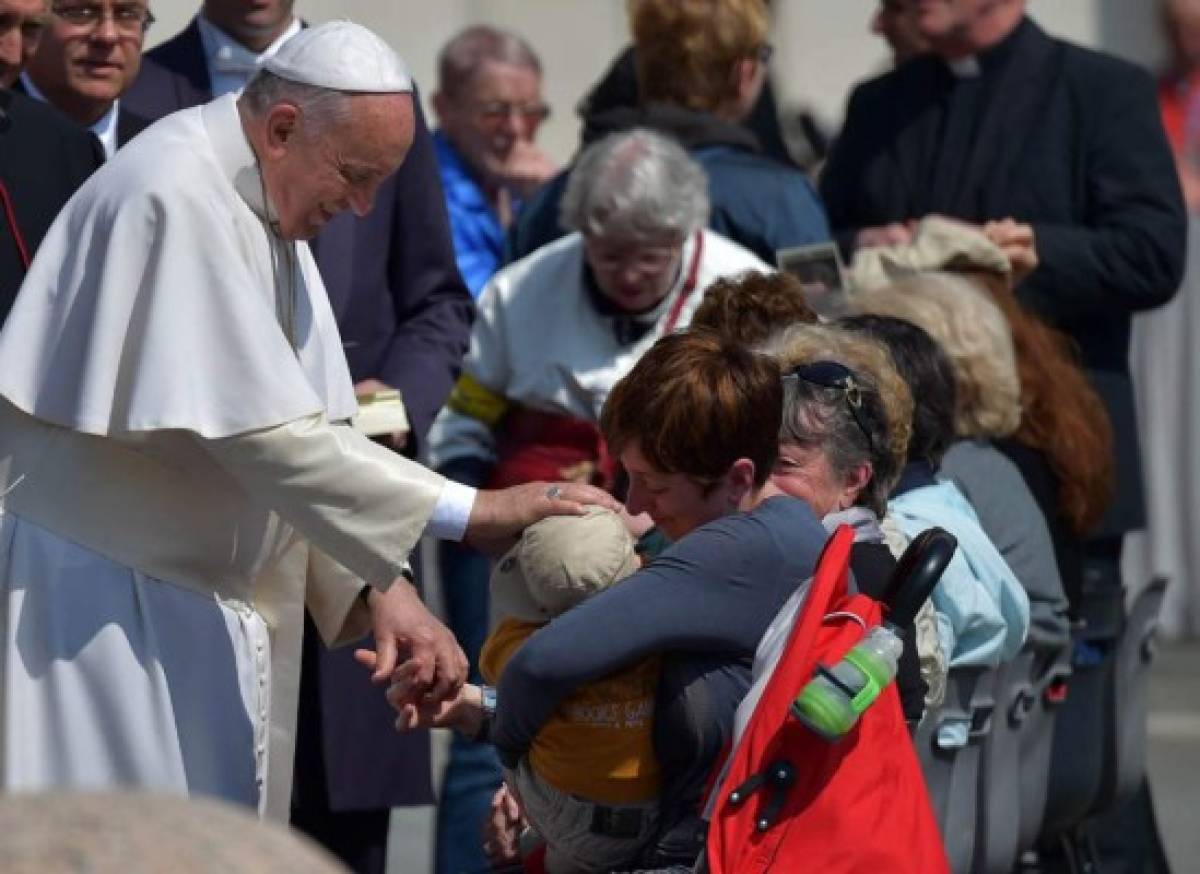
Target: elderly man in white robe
<point>177,478</point>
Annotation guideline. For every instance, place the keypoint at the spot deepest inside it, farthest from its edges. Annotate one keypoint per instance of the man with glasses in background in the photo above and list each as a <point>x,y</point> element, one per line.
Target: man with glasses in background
<point>88,56</point>
<point>489,107</point>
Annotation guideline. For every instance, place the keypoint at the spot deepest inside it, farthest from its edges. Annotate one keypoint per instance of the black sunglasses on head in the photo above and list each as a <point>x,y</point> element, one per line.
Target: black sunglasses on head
<point>830,374</point>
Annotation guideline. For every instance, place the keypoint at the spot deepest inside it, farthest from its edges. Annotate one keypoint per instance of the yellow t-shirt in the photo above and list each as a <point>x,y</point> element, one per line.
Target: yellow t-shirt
<point>599,743</point>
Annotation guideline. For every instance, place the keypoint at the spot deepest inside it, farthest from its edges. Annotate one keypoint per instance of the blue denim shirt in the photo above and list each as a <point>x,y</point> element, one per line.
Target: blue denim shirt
<point>475,228</point>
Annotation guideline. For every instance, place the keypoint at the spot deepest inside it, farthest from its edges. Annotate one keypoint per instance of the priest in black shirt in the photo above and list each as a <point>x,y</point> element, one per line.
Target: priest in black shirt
<point>999,121</point>
<point>43,159</point>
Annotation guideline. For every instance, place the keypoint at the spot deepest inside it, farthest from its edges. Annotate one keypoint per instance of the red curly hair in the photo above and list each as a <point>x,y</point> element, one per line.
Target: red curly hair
<point>1061,415</point>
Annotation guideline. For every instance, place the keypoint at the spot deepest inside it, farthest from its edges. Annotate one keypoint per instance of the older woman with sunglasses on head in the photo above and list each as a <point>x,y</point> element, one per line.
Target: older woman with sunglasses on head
<point>846,422</point>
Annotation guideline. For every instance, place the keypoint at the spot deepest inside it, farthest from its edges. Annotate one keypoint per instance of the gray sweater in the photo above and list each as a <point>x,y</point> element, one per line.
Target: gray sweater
<point>1010,516</point>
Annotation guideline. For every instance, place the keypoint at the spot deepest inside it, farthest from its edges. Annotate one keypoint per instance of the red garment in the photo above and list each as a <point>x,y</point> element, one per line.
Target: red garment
<point>1174,97</point>
<point>858,805</point>
<point>533,445</point>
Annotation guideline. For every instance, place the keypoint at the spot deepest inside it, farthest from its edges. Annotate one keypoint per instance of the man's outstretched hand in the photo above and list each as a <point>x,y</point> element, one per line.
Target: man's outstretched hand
<point>498,517</point>
<point>405,630</point>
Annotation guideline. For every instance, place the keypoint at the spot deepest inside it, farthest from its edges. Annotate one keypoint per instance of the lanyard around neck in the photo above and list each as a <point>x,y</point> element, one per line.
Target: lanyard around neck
<point>689,285</point>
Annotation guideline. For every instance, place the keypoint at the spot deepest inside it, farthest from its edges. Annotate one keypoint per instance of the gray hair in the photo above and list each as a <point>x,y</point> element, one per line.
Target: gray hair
<point>815,417</point>
<point>322,107</point>
<point>638,186</point>
<point>467,52</point>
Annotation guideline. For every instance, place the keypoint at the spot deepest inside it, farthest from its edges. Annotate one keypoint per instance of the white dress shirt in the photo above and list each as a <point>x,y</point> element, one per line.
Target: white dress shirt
<point>230,64</point>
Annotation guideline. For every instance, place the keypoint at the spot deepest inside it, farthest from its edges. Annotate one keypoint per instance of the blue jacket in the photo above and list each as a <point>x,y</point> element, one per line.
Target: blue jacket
<point>474,227</point>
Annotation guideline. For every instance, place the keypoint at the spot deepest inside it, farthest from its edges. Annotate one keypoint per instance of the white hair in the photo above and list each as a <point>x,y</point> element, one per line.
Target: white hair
<point>461,59</point>
<point>321,107</point>
<point>637,186</point>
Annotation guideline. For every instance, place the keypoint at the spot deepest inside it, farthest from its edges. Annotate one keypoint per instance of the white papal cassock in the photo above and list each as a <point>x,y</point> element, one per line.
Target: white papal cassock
<point>175,484</point>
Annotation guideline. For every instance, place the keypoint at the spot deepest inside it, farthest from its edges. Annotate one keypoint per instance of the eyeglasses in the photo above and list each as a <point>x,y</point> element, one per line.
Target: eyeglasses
<point>128,19</point>
<point>830,374</point>
<point>647,260</point>
<point>497,111</point>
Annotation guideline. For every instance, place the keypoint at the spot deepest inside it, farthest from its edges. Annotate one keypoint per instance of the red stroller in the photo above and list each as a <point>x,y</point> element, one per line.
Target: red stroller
<point>790,801</point>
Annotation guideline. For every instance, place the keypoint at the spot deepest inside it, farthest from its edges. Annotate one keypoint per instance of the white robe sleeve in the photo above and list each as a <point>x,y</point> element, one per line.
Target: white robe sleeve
<point>361,504</point>
<point>331,595</point>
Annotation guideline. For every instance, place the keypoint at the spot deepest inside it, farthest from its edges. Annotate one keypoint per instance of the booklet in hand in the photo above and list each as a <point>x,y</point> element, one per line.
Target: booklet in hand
<point>380,413</point>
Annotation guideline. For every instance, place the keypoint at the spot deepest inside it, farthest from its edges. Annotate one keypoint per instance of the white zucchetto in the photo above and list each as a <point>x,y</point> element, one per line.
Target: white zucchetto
<point>341,56</point>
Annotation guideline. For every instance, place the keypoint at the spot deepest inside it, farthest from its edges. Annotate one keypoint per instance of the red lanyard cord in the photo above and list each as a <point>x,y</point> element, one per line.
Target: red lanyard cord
<point>689,285</point>
<point>11,215</point>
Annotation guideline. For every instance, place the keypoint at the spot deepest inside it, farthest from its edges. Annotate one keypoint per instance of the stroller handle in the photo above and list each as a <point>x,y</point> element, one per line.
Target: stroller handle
<point>917,572</point>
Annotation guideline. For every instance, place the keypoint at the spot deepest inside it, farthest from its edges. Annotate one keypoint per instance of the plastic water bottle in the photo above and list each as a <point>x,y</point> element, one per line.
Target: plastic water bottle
<point>832,701</point>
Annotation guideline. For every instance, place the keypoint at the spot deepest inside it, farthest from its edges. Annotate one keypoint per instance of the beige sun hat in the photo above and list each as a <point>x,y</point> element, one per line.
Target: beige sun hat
<point>559,562</point>
<point>938,243</point>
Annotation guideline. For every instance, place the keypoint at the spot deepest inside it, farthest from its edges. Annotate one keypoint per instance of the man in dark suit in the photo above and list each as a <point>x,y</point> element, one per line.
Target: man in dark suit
<point>88,55</point>
<point>1001,120</point>
<point>405,318</point>
<point>43,159</point>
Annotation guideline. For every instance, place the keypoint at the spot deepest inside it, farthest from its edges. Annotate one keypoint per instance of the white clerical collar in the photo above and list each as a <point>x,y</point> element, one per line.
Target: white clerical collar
<point>964,68</point>
<point>230,64</point>
<point>105,129</point>
<point>234,153</point>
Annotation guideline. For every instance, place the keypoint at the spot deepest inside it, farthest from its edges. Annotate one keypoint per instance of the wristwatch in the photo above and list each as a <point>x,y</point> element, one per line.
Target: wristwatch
<point>487,706</point>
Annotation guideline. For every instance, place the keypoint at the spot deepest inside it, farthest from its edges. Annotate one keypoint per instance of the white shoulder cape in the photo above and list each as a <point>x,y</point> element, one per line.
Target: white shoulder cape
<point>151,303</point>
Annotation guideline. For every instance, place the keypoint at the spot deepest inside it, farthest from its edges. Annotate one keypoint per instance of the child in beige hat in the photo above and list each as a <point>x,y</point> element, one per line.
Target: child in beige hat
<point>590,783</point>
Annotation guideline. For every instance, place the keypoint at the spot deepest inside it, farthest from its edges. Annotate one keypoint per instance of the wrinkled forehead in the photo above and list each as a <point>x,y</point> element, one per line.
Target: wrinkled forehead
<point>494,78</point>
<point>376,128</point>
